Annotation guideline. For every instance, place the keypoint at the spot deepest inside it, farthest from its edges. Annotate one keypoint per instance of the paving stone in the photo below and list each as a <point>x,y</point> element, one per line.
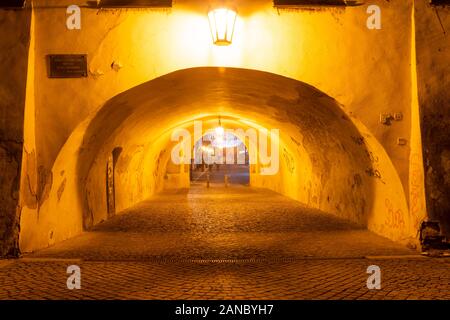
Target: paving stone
<point>234,243</point>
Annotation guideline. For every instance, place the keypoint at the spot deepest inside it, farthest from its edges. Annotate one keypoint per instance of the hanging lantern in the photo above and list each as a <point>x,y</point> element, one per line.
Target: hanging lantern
<point>221,22</point>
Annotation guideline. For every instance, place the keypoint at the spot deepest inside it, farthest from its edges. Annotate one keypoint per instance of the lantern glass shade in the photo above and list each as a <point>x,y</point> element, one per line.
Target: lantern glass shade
<point>221,22</point>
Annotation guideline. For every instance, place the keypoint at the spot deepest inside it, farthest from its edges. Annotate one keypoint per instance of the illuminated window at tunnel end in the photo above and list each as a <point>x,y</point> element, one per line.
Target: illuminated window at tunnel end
<point>218,146</point>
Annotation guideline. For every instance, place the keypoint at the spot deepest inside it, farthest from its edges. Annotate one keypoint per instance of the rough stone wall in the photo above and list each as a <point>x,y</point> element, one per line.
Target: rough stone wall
<point>433,69</point>
<point>15,37</point>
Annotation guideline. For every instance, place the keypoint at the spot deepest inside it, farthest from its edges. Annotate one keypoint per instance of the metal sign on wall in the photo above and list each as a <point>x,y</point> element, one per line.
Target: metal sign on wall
<point>132,3</point>
<point>12,3</point>
<point>67,66</point>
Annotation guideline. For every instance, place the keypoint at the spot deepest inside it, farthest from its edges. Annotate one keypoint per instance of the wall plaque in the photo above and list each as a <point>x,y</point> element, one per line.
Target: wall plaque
<point>67,65</point>
<point>132,3</point>
<point>16,4</point>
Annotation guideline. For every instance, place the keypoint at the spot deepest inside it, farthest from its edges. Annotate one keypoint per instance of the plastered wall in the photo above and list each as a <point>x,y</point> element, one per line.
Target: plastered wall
<point>367,72</point>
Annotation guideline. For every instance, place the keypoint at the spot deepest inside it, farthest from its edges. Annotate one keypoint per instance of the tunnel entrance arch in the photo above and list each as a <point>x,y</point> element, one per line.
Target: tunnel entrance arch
<point>232,166</point>
<point>325,155</point>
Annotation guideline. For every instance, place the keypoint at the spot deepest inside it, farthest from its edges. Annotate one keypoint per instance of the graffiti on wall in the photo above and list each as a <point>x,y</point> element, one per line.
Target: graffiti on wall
<point>290,161</point>
<point>417,207</point>
<point>372,171</point>
<point>395,219</point>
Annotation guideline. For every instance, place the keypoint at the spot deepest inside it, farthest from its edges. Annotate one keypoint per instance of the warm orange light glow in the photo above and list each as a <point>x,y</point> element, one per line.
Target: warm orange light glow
<point>220,131</point>
<point>208,150</point>
<point>222,23</point>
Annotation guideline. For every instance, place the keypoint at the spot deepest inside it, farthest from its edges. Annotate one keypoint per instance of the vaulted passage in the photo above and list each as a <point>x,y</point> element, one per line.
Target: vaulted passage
<point>123,153</point>
<point>224,149</point>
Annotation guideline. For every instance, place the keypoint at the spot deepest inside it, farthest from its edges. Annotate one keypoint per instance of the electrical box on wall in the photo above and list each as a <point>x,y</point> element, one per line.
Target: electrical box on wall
<point>387,118</point>
<point>402,141</point>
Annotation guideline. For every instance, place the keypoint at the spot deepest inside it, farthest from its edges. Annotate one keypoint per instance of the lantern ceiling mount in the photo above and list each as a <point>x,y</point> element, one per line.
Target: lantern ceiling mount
<point>222,21</point>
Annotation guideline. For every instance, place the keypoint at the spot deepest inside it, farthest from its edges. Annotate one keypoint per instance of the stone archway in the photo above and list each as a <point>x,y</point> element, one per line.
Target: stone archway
<point>328,161</point>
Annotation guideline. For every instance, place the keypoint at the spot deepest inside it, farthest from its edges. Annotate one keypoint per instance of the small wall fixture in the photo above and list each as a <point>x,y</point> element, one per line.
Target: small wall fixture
<point>221,22</point>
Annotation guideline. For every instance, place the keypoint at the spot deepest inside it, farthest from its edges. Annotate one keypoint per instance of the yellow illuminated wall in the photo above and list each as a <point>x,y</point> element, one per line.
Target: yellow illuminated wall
<point>367,72</point>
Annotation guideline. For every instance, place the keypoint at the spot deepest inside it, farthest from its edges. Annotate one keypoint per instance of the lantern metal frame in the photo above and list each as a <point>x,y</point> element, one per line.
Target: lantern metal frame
<point>222,22</point>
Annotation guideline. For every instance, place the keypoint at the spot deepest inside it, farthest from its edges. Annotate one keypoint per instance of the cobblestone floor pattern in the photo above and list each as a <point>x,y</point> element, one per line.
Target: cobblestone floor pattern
<point>234,243</point>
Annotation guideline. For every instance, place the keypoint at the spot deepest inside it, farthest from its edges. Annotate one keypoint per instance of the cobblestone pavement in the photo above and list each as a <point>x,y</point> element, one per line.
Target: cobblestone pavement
<point>303,279</point>
<point>235,243</point>
<point>223,223</point>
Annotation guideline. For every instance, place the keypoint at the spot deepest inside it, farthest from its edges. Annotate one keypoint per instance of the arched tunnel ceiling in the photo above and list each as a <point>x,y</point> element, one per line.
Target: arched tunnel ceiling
<point>270,100</point>
<point>308,120</point>
<point>326,158</point>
